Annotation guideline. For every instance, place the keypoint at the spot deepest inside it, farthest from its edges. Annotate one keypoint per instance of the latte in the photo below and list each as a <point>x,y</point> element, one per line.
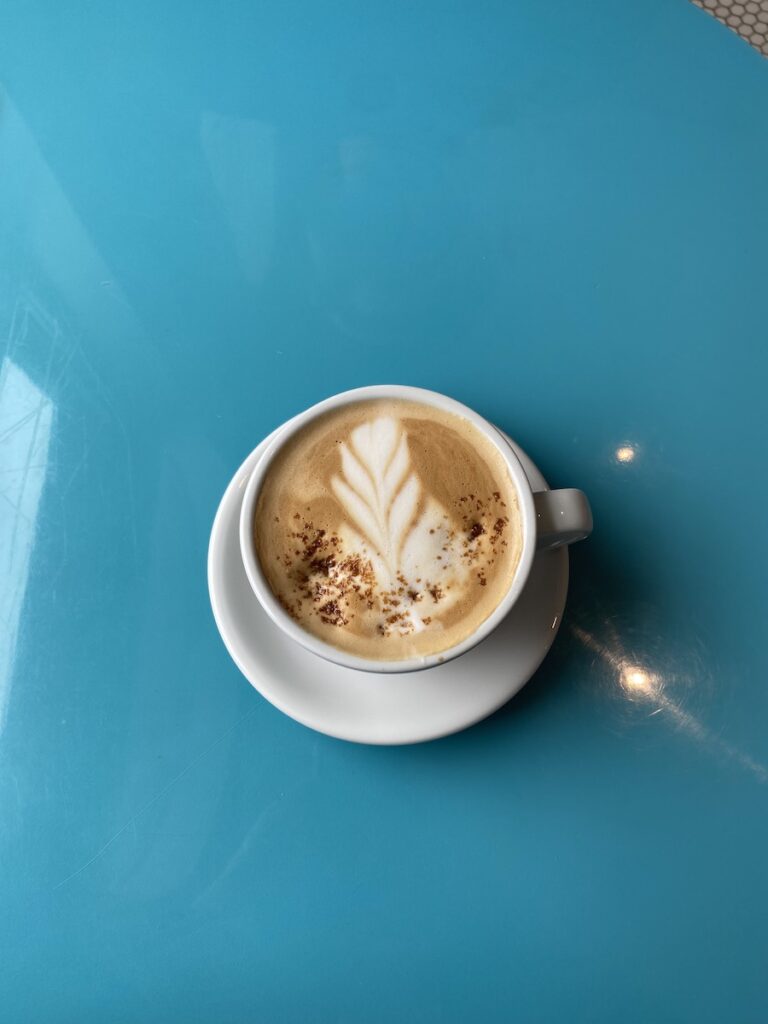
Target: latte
<point>389,529</point>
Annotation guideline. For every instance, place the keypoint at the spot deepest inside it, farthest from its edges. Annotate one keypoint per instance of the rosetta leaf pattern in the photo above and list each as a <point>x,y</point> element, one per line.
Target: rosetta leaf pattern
<point>376,488</point>
<point>404,532</point>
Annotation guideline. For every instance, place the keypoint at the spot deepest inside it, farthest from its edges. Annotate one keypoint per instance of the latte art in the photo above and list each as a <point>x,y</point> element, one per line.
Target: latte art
<point>388,528</point>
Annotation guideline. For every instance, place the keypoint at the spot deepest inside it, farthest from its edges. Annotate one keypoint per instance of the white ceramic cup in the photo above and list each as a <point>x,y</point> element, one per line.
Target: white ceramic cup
<point>549,519</point>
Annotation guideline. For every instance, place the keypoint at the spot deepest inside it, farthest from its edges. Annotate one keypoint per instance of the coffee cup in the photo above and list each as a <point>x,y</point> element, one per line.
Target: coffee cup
<point>543,519</point>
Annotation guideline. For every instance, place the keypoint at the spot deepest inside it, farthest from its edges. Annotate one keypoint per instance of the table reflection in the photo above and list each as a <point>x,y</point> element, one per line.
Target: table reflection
<point>642,684</point>
<point>626,453</point>
<point>26,419</point>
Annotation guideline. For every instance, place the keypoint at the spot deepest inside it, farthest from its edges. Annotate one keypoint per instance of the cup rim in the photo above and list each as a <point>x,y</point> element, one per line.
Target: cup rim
<point>289,626</point>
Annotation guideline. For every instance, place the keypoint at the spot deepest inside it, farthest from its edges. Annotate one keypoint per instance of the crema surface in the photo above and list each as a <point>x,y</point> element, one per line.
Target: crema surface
<point>389,529</point>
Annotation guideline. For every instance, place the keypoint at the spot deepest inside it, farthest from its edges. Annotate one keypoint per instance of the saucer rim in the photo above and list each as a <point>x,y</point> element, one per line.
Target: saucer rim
<point>239,481</point>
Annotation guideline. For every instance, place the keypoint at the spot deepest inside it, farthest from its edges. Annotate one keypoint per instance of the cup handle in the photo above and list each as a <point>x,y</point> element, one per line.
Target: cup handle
<point>562,517</point>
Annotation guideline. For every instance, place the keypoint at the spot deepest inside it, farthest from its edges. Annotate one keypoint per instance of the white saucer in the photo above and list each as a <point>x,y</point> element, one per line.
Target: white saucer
<point>363,706</point>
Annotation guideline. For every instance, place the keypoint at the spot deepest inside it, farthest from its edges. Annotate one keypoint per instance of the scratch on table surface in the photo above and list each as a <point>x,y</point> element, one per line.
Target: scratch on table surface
<point>145,807</point>
<point>14,427</point>
<point>20,469</point>
<point>245,843</point>
<point>17,511</point>
<point>18,332</point>
<point>80,462</point>
<point>256,828</point>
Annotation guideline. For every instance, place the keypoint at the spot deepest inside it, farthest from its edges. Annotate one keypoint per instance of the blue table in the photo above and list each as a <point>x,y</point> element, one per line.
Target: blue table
<point>213,215</point>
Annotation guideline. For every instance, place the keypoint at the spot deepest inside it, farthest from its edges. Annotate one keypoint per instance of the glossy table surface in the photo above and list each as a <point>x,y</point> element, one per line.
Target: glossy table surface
<point>213,215</point>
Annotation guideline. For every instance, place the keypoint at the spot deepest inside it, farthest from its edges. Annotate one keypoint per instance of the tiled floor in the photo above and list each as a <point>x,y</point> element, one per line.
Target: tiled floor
<point>750,20</point>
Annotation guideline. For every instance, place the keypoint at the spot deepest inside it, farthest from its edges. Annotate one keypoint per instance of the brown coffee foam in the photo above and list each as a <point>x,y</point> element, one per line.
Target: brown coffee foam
<point>331,586</point>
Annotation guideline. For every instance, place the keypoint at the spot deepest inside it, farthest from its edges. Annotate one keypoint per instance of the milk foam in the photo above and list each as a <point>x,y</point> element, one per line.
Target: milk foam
<point>381,497</point>
<point>389,528</point>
